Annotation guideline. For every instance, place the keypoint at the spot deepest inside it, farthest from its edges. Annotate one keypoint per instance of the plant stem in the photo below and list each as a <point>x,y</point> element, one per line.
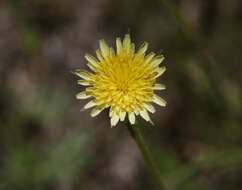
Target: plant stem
<point>138,138</point>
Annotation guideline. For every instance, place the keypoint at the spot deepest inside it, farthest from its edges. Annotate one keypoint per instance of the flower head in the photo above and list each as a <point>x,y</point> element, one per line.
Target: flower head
<point>123,81</point>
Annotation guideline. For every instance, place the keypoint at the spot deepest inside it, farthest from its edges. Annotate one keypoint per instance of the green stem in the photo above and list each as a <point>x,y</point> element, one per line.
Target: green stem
<point>138,138</point>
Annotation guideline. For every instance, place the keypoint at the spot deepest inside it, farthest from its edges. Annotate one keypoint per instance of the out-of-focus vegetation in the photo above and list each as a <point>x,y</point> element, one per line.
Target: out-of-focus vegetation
<point>46,143</point>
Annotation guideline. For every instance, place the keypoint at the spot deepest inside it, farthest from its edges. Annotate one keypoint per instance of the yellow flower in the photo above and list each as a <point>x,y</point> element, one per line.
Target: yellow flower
<point>123,81</point>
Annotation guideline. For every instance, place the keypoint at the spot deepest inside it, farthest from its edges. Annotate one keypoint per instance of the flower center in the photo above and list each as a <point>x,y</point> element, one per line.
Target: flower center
<point>123,87</point>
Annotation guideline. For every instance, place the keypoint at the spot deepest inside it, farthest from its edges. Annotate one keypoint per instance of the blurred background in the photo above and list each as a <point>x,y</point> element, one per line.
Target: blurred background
<point>47,143</point>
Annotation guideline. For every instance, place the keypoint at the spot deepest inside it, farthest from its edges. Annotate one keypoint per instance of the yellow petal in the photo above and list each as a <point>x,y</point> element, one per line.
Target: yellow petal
<point>119,45</point>
<point>82,95</point>
<point>83,82</point>
<point>96,111</point>
<point>83,74</point>
<point>150,108</point>
<point>149,57</point>
<point>99,55</point>
<point>158,100</point>
<point>112,111</point>
<point>127,42</point>
<point>91,67</point>
<point>132,50</point>
<point>157,61</point>
<point>132,118</point>
<point>122,116</point>
<point>104,48</point>
<point>111,52</point>
<point>90,104</point>
<point>159,87</point>
<point>92,60</point>
<point>143,48</point>
<point>114,120</point>
<point>145,115</point>
<point>160,71</point>
<point>136,111</point>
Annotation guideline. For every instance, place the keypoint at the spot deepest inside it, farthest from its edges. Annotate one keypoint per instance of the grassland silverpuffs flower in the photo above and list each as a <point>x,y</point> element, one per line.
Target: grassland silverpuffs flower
<point>123,81</point>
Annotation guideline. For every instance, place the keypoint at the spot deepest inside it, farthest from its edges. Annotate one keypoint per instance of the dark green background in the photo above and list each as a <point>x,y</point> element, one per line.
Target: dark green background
<point>47,143</point>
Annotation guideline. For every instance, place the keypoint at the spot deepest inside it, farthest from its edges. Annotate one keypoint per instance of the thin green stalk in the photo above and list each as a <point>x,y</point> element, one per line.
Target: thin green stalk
<point>138,138</point>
